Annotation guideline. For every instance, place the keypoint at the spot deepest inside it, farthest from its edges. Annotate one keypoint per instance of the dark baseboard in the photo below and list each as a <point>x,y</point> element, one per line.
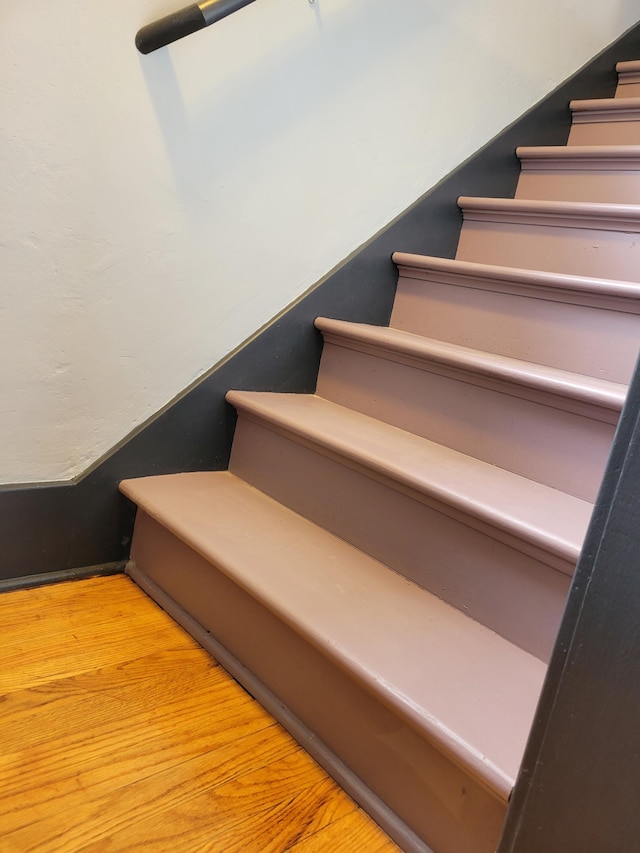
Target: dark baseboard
<point>48,578</point>
<point>53,527</point>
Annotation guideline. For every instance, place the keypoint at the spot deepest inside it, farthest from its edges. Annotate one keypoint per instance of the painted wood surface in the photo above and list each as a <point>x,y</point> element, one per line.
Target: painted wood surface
<point>579,782</point>
<point>120,733</point>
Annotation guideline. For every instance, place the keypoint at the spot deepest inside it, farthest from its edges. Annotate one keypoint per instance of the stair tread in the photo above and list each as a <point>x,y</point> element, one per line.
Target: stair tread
<point>579,283</point>
<point>613,105</point>
<point>576,209</point>
<point>628,65</point>
<point>627,155</point>
<point>475,696</point>
<point>552,380</point>
<point>535,513</point>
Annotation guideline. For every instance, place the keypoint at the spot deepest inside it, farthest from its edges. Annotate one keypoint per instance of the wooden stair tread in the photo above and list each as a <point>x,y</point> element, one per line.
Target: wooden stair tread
<point>472,691</point>
<point>581,156</point>
<point>548,519</point>
<point>562,384</point>
<point>571,214</point>
<point>419,266</point>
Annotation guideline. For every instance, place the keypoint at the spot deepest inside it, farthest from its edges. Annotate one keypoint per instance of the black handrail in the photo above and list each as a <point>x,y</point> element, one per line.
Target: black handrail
<point>186,21</point>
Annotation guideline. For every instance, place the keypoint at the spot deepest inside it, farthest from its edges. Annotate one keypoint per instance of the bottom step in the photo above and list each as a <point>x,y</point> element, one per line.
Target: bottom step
<point>428,709</point>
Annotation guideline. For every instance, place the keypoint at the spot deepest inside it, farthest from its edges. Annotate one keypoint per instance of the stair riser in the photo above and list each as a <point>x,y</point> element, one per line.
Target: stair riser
<point>592,252</point>
<point>627,89</point>
<point>606,186</point>
<point>579,338</point>
<point>604,133</point>
<point>435,798</point>
<point>512,591</point>
<point>565,450</point>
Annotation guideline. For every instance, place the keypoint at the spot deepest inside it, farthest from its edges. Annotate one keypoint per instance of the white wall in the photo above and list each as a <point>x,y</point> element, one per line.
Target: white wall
<point>157,210</point>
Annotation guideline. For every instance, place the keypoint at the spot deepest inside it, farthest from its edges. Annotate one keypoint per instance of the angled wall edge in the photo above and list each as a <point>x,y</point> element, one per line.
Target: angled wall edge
<point>54,528</point>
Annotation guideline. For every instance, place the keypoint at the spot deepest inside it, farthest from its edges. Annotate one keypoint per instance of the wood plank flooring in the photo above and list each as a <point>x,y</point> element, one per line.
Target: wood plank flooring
<point>119,733</point>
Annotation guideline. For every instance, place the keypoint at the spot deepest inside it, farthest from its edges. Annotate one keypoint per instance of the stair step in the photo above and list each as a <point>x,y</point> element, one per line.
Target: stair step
<point>591,173</point>
<point>586,325</point>
<point>471,533</point>
<point>598,240</point>
<point>628,79</point>
<point>605,121</point>
<point>282,594</point>
<point>386,563</point>
<point>543,423</point>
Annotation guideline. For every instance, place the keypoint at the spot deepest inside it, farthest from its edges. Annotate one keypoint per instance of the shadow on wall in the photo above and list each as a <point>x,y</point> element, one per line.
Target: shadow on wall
<point>216,127</point>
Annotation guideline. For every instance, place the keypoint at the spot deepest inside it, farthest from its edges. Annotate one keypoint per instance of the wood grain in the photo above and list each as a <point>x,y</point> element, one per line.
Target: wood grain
<point>347,834</point>
<point>120,733</point>
<point>64,633</point>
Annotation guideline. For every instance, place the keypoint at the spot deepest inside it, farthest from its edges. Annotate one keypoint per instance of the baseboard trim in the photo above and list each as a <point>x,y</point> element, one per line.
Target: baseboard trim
<point>47,578</point>
<point>395,828</point>
<point>51,527</point>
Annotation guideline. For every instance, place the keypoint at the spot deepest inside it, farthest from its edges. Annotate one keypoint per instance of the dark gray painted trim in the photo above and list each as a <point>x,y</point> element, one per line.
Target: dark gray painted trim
<point>326,758</point>
<point>32,581</point>
<point>51,527</point>
<point>579,786</point>
<point>185,22</point>
<point>172,27</point>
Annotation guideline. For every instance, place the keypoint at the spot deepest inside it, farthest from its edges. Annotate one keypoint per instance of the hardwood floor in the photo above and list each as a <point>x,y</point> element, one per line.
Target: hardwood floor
<point>120,733</point>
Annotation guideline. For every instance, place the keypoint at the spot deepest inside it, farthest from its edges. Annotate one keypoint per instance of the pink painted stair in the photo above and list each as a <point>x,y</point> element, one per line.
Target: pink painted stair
<point>386,561</point>
<point>628,79</point>
<point>578,238</point>
<point>605,121</point>
<point>476,535</point>
<point>547,424</point>
<point>610,121</point>
<point>347,644</point>
<point>585,325</point>
<point>590,173</point>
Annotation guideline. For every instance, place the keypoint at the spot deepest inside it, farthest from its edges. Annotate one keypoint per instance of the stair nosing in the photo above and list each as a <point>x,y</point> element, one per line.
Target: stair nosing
<point>457,747</point>
<point>530,533</point>
<point>559,287</point>
<point>628,65</point>
<point>559,214</point>
<point>589,110</point>
<point>579,157</point>
<point>601,398</point>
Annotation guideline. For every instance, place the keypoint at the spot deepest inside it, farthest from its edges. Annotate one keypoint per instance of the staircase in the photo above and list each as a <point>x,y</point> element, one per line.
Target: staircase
<point>385,563</point>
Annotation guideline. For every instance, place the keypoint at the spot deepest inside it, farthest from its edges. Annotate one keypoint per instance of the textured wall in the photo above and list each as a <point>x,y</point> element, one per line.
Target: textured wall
<point>156,211</point>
